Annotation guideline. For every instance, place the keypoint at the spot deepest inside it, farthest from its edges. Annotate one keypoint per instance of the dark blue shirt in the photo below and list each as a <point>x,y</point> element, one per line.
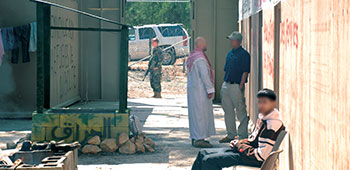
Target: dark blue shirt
<point>237,62</point>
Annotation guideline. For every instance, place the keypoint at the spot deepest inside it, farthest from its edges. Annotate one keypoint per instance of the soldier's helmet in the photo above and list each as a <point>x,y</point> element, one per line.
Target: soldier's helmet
<point>155,40</point>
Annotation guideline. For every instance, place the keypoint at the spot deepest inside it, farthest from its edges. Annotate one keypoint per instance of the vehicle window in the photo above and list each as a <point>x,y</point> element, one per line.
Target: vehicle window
<point>144,33</point>
<point>132,36</point>
<point>171,31</point>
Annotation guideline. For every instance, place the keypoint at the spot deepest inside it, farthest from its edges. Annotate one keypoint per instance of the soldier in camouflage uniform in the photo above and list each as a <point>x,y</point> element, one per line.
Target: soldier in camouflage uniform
<point>155,67</point>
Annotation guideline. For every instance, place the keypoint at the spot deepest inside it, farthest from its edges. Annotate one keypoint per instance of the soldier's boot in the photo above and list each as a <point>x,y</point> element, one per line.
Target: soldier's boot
<point>157,95</point>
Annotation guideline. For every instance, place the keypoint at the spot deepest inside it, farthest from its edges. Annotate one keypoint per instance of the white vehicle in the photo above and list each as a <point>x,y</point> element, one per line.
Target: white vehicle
<point>168,34</point>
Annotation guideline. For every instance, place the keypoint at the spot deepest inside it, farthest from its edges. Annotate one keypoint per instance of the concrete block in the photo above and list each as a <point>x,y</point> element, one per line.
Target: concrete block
<point>38,133</point>
<point>45,120</point>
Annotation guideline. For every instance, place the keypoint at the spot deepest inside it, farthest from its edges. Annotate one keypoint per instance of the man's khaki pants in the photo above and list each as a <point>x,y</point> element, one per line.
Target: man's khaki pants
<point>233,103</point>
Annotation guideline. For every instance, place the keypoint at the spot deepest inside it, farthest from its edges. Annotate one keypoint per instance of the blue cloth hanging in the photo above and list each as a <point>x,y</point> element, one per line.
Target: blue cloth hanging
<point>22,37</point>
<point>33,37</point>
<point>8,38</point>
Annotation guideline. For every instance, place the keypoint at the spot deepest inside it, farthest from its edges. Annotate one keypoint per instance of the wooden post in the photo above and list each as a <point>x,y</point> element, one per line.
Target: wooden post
<point>124,54</point>
<point>43,14</point>
<point>150,41</point>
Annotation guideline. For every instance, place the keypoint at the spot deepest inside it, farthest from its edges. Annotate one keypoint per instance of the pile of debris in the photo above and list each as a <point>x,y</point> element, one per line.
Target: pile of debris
<point>124,145</point>
<point>18,145</point>
<point>34,155</point>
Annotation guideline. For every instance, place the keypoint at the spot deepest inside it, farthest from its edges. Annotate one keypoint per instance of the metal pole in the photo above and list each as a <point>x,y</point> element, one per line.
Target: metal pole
<point>85,29</point>
<point>150,42</point>
<point>43,13</point>
<point>124,54</point>
<point>79,12</point>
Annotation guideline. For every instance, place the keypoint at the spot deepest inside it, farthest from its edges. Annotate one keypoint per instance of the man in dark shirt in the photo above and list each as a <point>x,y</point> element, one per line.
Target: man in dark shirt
<point>155,66</point>
<point>237,67</point>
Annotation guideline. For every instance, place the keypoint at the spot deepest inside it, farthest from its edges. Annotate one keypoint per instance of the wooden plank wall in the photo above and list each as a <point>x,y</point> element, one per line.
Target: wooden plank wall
<point>64,54</point>
<point>315,83</point>
<point>268,48</point>
<point>256,65</point>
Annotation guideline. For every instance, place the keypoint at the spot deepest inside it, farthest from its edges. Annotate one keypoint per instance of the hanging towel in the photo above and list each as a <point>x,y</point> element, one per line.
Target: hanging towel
<point>33,37</point>
<point>22,36</point>
<point>8,38</point>
<point>2,51</point>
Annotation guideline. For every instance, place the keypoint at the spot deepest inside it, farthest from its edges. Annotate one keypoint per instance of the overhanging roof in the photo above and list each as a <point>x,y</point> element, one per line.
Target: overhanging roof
<point>158,0</point>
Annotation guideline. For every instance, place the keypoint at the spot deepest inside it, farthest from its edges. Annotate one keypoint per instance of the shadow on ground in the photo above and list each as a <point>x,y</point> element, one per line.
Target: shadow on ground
<point>166,122</point>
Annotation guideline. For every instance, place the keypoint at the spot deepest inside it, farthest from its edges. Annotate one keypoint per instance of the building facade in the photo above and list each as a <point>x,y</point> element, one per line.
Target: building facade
<point>300,49</point>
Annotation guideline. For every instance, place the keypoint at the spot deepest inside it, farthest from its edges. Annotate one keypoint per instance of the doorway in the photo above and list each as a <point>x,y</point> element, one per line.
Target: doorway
<point>169,22</point>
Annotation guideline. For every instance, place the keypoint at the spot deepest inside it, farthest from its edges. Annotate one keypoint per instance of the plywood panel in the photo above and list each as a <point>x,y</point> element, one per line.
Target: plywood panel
<point>268,48</point>
<point>64,54</point>
<point>314,83</point>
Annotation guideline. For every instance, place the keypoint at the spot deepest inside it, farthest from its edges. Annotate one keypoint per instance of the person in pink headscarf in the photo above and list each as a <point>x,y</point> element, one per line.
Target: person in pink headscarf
<point>200,91</point>
<point>2,51</point>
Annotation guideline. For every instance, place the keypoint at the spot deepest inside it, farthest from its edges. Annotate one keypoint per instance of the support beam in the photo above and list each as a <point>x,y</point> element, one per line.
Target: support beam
<point>43,56</point>
<point>124,50</point>
<point>85,29</point>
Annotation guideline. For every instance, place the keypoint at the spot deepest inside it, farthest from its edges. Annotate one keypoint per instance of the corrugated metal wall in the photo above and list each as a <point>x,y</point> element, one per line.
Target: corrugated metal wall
<point>215,20</point>
<point>100,51</point>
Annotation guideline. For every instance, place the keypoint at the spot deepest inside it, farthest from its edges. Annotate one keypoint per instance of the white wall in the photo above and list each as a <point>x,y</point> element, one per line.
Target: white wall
<point>17,81</point>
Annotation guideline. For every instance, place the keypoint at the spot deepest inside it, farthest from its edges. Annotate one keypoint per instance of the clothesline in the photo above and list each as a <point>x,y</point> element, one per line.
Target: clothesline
<point>12,38</point>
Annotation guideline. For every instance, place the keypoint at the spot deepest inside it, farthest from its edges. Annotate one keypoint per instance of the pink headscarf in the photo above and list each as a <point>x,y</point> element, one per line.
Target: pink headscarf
<point>2,51</point>
<point>197,54</point>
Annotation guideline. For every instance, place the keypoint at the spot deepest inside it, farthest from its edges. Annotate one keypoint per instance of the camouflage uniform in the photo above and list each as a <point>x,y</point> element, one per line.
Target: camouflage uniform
<point>156,76</point>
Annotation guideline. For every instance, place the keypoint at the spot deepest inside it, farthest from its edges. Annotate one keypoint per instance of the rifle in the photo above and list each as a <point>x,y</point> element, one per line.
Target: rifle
<point>145,74</point>
<point>148,69</point>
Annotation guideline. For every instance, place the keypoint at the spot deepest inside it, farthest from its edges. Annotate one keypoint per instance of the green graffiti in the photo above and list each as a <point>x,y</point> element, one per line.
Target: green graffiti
<point>84,118</point>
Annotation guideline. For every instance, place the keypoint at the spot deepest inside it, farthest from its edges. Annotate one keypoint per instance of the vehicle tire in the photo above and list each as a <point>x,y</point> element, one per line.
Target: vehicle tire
<point>169,57</point>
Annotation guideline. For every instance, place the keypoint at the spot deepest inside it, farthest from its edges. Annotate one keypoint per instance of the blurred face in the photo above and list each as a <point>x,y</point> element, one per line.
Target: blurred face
<point>265,105</point>
<point>202,44</point>
<point>235,44</point>
<point>154,44</point>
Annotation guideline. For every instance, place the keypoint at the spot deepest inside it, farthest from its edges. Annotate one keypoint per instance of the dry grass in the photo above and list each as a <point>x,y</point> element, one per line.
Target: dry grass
<point>174,81</point>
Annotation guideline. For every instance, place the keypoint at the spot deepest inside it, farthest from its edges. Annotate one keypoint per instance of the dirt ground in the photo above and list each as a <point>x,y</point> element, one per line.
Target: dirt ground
<point>166,122</point>
<point>173,80</point>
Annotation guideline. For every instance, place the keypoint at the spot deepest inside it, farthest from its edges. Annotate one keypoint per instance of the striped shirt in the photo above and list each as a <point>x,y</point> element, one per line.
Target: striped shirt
<point>260,143</point>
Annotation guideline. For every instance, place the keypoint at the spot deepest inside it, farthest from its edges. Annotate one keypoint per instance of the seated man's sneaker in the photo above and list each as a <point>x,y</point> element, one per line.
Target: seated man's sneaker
<point>201,144</point>
<point>225,140</point>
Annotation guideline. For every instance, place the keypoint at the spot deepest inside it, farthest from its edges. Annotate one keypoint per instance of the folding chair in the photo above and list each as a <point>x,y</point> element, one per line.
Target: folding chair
<point>269,163</point>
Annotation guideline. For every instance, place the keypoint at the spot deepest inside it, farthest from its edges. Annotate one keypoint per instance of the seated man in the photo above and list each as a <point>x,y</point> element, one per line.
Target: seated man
<point>252,151</point>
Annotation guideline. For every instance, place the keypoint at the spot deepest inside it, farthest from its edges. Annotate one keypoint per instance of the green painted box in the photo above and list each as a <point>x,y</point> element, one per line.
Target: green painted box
<point>78,124</point>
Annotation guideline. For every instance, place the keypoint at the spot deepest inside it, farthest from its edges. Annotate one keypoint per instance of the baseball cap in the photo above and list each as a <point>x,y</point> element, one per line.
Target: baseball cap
<point>235,35</point>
